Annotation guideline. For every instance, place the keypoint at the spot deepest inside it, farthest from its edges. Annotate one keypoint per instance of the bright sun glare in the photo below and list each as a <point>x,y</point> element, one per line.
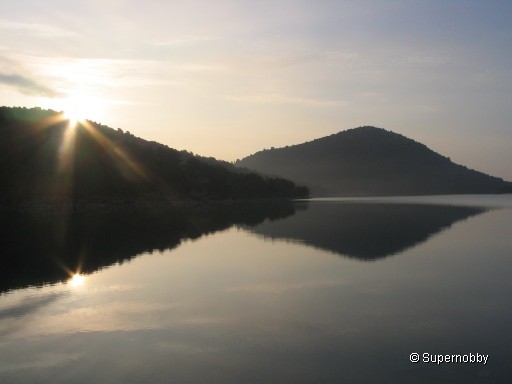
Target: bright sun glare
<point>79,106</point>
<point>77,280</point>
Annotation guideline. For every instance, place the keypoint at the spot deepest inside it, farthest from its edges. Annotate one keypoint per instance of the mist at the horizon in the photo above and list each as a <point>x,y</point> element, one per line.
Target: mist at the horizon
<point>230,78</point>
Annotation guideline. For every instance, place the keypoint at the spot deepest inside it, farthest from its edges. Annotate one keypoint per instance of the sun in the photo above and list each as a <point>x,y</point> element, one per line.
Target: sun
<point>79,106</point>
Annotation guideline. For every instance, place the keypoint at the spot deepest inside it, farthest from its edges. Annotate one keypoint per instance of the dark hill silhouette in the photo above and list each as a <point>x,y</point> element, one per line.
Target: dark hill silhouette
<point>365,231</point>
<point>42,159</point>
<point>369,161</point>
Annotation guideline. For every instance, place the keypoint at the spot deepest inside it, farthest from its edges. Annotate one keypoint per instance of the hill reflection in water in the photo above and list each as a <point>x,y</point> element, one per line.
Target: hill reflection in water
<point>43,247</point>
<point>365,230</point>
<point>47,246</point>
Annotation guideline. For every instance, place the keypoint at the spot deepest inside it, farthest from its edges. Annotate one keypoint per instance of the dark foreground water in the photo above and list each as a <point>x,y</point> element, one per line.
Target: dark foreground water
<point>328,291</point>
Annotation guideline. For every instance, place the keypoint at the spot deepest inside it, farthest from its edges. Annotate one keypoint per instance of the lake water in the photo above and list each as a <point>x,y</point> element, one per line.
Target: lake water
<point>321,291</point>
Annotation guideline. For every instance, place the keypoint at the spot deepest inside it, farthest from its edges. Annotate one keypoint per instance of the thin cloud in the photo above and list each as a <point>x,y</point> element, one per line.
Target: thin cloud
<point>201,68</point>
<point>36,29</point>
<point>282,99</point>
<point>184,41</point>
<point>28,86</point>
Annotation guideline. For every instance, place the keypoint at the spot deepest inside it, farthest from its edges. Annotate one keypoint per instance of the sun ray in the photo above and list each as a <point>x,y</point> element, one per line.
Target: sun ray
<point>118,154</point>
<point>66,157</point>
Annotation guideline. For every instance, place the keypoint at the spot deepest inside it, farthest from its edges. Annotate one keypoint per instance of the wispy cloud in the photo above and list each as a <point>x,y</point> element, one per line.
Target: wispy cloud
<point>201,67</point>
<point>183,41</point>
<point>275,98</point>
<point>27,85</point>
<point>36,29</point>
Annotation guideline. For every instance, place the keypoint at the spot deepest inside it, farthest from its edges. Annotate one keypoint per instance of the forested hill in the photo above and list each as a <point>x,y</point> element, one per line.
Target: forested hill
<point>370,161</point>
<point>43,158</point>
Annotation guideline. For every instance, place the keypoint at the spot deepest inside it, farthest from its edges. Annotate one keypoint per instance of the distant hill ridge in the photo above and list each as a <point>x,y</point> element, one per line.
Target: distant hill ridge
<point>370,161</point>
<point>42,159</point>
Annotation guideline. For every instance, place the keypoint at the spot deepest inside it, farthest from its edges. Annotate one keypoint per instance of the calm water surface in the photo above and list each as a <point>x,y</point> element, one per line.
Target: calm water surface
<point>329,291</point>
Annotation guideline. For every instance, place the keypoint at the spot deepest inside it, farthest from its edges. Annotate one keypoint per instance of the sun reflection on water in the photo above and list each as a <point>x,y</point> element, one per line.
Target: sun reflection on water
<point>77,280</point>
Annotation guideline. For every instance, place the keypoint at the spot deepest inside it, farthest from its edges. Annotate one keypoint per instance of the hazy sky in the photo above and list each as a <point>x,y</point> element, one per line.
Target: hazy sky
<point>228,78</point>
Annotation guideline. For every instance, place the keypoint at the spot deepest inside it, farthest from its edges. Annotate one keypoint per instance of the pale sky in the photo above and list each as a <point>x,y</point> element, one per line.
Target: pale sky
<point>229,78</point>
